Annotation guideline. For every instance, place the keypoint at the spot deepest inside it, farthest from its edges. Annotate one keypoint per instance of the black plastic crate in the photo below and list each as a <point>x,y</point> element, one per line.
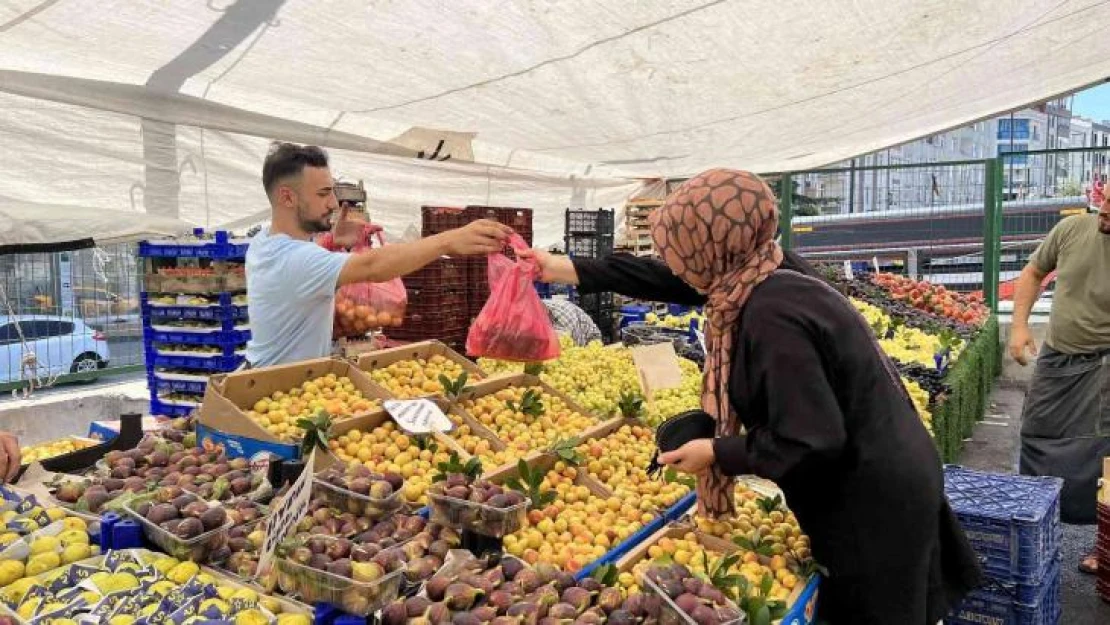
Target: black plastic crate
<point>588,246</point>
<point>519,219</point>
<point>589,222</point>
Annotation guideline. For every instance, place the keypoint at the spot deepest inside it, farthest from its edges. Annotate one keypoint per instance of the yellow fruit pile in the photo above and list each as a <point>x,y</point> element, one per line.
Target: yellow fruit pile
<point>386,449</point>
<point>577,528</point>
<point>336,395</point>
<point>597,376</point>
<point>762,519</point>
<point>920,399</point>
<point>48,552</point>
<point>908,345</point>
<point>527,419</point>
<point>416,378</point>
<point>620,461</point>
<point>50,449</point>
<point>167,576</point>
<point>481,447</point>
<point>689,552</point>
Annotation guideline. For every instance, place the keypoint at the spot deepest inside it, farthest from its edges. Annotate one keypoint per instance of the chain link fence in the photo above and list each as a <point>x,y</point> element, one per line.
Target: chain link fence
<point>68,316</point>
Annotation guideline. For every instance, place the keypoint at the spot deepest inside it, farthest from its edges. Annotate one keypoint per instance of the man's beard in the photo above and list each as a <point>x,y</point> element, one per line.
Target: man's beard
<point>312,226</point>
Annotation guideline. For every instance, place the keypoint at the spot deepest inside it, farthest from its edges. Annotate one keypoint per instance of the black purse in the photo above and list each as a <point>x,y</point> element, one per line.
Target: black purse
<point>679,430</point>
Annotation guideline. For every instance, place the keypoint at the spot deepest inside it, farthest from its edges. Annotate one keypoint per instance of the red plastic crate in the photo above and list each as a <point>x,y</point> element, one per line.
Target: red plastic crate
<point>437,219</point>
<point>443,272</point>
<point>519,219</point>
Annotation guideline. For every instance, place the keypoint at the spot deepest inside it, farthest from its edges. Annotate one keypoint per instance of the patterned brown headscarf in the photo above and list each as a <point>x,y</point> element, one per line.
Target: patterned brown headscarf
<point>717,233</point>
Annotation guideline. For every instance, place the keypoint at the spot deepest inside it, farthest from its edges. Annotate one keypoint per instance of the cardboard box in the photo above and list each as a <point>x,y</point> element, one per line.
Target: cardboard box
<point>222,417</point>
<point>382,358</point>
<point>546,462</point>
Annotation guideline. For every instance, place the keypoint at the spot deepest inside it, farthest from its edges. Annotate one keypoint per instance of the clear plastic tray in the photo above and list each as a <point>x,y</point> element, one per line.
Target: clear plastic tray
<point>674,614</point>
<point>196,549</point>
<point>359,505</point>
<point>360,598</point>
<point>476,517</point>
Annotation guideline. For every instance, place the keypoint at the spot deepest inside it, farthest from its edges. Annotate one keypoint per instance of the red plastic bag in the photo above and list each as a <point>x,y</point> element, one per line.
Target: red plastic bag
<point>514,324</point>
<point>366,306</point>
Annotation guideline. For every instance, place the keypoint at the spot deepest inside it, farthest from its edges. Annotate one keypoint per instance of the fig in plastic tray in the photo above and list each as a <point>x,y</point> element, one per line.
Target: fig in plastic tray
<point>725,613</point>
<point>476,517</point>
<point>197,549</point>
<point>312,585</point>
<point>360,505</point>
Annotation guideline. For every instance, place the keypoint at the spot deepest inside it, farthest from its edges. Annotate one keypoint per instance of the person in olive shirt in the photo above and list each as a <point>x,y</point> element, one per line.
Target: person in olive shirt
<point>1065,429</point>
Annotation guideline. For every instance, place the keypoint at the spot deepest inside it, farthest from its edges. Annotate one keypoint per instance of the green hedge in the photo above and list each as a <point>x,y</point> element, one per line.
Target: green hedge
<point>971,380</point>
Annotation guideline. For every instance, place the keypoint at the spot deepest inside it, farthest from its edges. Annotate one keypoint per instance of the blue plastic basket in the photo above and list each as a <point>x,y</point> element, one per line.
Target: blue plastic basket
<point>215,363</point>
<point>983,606</point>
<point>168,410</point>
<point>804,610</point>
<point>1012,521</point>
<point>219,338</point>
<point>223,310</point>
<point>163,385</point>
<point>221,248</point>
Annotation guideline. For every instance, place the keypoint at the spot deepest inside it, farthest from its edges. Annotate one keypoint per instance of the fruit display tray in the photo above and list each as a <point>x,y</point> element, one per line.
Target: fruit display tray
<point>382,358</point>
<point>801,604</point>
<point>196,549</point>
<point>360,505</point>
<point>313,586</point>
<point>674,614</point>
<point>476,517</point>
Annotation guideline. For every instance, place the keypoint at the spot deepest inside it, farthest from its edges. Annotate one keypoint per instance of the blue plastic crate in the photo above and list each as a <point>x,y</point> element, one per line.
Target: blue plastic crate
<point>169,410</point>
<point>1012,521</point>
<point>222,248</point>
<point>162,385</point>
<point>218,338</point>
<point>218,312</point>
<point>982,606</point>
<point>215,363</point>
<point>804,610</point>
<point>1023,593</point>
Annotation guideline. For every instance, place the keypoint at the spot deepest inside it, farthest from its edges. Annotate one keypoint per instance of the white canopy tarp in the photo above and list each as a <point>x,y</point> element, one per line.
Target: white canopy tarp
<point>163,109</point>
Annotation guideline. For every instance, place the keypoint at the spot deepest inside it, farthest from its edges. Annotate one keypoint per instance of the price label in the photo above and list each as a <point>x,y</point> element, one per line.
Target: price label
<point>875,263</point>
<point>418,416</point>
<point>848,273</point>
<point>286,514</point>
<point>657,366</point>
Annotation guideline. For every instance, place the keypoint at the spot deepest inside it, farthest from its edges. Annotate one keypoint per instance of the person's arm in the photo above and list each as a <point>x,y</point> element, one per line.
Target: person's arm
<point>805,427</point>
<point>638,277</point>
<point>10,456</point>
<point>386,263</point>
<point>1026,291</point>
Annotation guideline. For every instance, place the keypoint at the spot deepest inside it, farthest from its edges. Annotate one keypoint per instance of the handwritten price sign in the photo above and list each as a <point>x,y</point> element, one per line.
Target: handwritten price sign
<point>285,515</point>
<point>418,416</point>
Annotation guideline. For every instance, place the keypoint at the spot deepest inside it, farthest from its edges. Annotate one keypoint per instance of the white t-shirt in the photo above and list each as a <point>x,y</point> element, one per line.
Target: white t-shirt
<point>291,298</point>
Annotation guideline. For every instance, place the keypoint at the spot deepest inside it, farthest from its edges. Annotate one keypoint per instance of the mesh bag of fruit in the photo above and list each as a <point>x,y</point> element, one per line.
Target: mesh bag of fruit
<point>366,306</point>
<point>514,323</point>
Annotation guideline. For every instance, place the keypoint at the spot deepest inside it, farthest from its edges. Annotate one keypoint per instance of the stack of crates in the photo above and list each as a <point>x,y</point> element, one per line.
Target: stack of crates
<point>437,304</point>
<point>437,219</point>
<point>589,234</point>
<point>194,325</point>
<point>1013,523</point>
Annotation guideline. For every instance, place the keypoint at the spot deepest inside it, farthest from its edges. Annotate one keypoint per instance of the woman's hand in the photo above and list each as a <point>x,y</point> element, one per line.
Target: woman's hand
<point>10,460</point>
<point>557,269</point>
<point>694,457</point>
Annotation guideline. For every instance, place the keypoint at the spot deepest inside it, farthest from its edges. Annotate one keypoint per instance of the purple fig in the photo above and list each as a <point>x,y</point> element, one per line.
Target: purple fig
<point>577,597</point>
<point>705,615</point>
<point>438,613</point>
<point>563,611</point>
<point>461,596</point>
<point>609,599</point>
<point>436,587</point>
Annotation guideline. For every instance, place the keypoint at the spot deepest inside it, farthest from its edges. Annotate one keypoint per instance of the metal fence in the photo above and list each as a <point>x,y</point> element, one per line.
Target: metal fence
<point>969,225</point>
<point>68,316</point>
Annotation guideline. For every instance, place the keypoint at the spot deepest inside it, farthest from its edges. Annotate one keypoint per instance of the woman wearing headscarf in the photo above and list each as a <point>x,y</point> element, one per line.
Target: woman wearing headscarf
<point>824,412</point>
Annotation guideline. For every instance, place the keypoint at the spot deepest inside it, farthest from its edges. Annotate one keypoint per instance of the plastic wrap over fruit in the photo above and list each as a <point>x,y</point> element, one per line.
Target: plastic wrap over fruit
<point>514,324</point>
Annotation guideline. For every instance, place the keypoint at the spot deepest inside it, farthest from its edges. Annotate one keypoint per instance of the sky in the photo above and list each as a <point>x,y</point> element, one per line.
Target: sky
<point>1093,103</point>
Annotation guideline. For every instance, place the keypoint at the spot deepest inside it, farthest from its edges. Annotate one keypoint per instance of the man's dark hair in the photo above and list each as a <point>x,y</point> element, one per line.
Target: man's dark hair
<point>289,159</point>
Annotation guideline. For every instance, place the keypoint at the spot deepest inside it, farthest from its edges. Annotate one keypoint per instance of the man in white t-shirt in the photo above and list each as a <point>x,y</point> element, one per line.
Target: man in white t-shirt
<point>291,281</point>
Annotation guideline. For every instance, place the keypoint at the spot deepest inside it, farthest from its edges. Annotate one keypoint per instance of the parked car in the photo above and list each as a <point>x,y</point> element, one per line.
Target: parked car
<point>61,345</point>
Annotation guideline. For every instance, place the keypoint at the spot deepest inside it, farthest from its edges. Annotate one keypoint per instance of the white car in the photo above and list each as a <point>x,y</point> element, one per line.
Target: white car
<point>60,345</point>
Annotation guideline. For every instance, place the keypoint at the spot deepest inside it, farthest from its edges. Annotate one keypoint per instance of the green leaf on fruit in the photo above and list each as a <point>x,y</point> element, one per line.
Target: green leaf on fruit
<point>566,450</point>
<point>631,405</point>
<point>471,469</point>
<point>672,476</point>
<point>533,368</point>
<point>530,404</point>
<point>607,574</point>
<point>453,388</point>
